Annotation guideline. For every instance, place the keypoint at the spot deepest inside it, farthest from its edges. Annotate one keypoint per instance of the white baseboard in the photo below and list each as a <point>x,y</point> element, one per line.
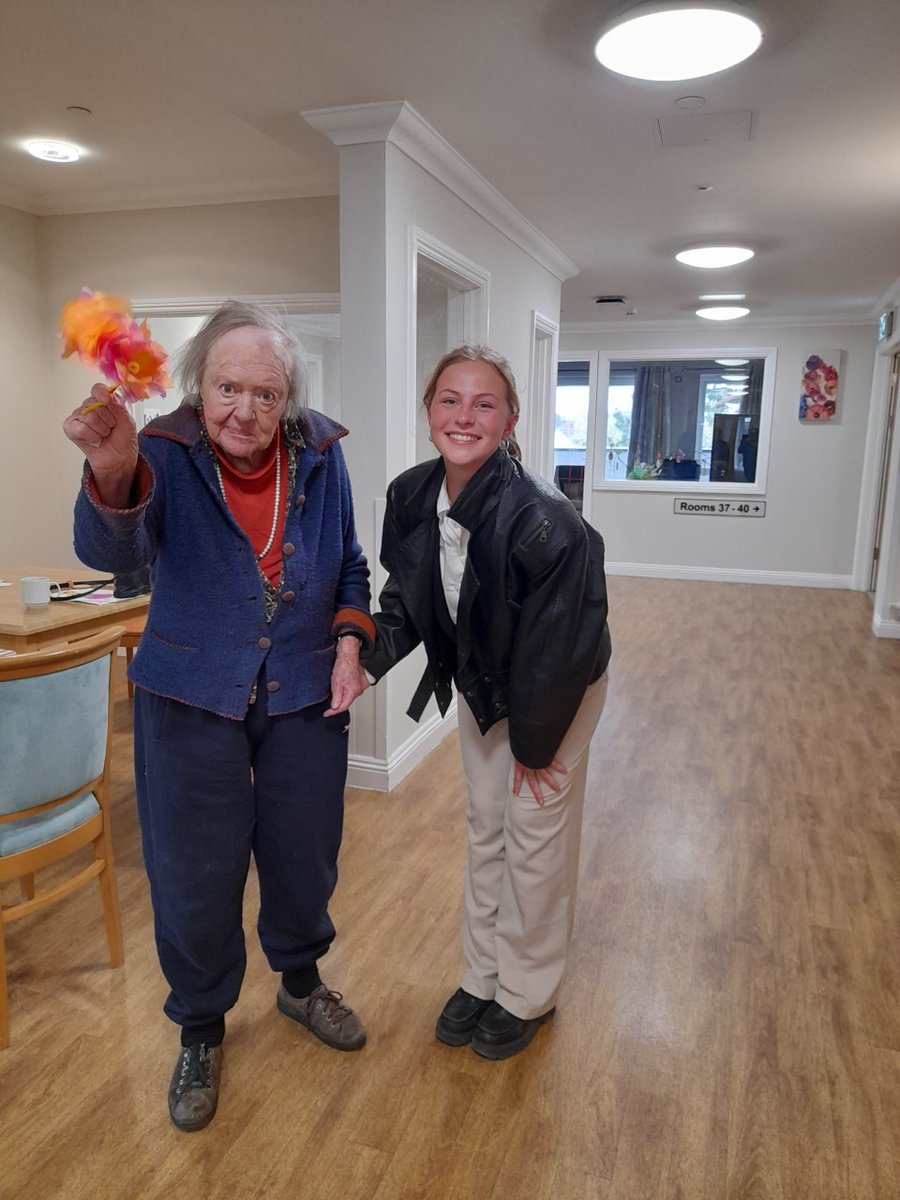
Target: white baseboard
<point>885,629</point>
<point>378,775</point>
<point>731,575</point>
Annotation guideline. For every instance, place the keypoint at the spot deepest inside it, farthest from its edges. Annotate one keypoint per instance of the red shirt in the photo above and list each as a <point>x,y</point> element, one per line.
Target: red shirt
<point>252,501</point>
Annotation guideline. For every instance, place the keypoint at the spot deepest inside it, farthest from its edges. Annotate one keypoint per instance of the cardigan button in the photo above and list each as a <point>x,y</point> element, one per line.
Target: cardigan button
<point>300,501</point>
<point>287,548</point>
<point>287,597</point>
<point>264,643</point>
<point>272,686</point>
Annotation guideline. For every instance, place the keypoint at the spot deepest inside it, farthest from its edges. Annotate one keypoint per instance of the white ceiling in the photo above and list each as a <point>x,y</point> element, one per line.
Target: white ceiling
<point>199,101</point>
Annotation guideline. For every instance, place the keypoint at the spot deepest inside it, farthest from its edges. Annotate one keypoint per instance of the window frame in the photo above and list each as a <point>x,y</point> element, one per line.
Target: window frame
<point>607,361</point>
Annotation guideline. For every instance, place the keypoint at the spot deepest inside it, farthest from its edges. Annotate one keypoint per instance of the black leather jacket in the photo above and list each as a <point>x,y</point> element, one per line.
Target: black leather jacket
<point>531,631</point>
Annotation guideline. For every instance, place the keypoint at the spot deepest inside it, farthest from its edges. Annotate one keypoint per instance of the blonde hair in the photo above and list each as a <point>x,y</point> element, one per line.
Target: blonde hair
<point>472,353</point>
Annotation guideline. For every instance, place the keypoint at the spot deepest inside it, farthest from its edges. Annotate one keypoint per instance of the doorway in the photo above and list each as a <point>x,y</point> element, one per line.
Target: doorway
<point>886,446</point>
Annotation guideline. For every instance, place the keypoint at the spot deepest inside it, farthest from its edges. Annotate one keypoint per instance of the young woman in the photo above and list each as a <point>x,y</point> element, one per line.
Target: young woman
<point>495,573</point>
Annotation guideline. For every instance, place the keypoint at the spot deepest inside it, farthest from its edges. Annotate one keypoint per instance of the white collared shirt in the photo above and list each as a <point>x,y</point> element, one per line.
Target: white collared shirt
<point>454,550</point>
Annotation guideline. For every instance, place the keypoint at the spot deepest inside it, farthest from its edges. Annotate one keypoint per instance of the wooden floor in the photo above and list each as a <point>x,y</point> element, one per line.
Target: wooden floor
<point>730,1024</point>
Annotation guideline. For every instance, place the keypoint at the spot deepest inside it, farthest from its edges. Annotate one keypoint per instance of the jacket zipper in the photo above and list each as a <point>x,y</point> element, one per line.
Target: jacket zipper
<point>540,533</point>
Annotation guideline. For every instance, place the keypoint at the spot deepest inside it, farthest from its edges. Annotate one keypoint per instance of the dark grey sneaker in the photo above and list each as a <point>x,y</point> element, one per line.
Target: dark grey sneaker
<point>324,1014</point>
<point>194,1089</point>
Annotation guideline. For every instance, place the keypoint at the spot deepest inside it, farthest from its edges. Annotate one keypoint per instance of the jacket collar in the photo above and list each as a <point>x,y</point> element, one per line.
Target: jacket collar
<point>481,495</point>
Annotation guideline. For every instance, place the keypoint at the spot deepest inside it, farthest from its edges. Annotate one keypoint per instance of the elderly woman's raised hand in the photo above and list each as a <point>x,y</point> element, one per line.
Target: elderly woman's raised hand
<point>107,437</point>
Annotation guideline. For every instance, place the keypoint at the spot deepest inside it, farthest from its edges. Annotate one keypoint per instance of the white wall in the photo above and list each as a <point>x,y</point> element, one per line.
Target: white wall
<point>518,284</point>
<point>815,470</point>
<point>387,194</point>
<point>271,248</point>
<point>29,486</point>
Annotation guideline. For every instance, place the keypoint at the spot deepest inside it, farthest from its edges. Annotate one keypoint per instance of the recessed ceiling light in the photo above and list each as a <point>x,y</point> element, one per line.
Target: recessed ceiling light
<point>50,151</point>
<point>723,296</point>
<point>677,41</point>
<point>732,362</point>
<point>714,256</point>
<point>735,378</point>
<point>723,313</point>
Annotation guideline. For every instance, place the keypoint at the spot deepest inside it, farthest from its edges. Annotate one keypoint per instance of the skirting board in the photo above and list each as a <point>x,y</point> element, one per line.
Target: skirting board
<point>731,575</point>
<point>885,629</point>
<point>376,775</point>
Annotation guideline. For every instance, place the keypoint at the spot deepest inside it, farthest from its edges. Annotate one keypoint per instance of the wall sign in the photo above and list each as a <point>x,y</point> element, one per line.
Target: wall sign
<point>695,507</point>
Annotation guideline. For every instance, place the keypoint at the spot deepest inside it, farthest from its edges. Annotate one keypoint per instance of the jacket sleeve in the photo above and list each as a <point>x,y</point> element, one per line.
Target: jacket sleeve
<point>117,540</point>
<point>560,642</point>
<point>352,596</point>
<point>395,632</point>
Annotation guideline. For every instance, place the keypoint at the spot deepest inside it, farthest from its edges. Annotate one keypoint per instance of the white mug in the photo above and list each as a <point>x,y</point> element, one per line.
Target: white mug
<point>35,591</point>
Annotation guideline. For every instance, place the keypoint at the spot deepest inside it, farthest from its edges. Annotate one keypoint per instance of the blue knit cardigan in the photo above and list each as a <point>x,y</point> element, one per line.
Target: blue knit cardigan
<point>206,636</point>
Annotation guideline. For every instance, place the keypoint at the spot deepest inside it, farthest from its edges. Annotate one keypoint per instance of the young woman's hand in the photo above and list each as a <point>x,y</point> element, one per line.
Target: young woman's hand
<point>536,777</point>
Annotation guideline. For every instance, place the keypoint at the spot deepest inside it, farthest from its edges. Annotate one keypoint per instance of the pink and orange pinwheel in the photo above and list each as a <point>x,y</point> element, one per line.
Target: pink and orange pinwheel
<point>102,332</point>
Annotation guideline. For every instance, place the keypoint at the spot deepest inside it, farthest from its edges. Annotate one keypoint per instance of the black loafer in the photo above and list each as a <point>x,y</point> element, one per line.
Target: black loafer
<point>501,1035</point>
<point>461,1014</point>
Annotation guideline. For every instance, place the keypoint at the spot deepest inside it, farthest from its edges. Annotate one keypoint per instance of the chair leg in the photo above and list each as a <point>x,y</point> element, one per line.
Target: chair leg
<point>26,886</point>
<point>129,655</point>
<point>4,1002</point>
<point>109,896</point>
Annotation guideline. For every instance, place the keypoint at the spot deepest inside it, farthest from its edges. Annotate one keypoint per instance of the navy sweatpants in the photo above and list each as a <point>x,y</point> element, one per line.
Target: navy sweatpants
<point>210,792</point>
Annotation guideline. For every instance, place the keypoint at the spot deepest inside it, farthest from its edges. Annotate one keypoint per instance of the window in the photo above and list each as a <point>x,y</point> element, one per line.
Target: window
<point>685,422</point>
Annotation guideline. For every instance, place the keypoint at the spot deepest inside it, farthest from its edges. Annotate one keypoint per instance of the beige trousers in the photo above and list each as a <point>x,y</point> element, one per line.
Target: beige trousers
<point>522,867</point>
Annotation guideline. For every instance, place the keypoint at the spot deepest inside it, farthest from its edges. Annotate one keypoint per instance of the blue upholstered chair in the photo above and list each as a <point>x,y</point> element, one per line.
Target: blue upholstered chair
<point>55,721</point>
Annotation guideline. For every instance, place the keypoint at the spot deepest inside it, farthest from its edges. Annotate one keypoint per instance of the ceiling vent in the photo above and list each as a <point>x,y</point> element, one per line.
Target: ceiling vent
<point>704,129</point>
<point>609,299</point>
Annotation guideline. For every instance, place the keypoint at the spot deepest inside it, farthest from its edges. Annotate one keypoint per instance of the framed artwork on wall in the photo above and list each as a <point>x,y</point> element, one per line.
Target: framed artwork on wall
<point>820,385</point>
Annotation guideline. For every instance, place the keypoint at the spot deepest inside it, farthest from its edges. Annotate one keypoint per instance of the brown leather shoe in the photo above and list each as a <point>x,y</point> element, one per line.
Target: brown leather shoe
<point>324,1014</point>
<point>194,1088</point>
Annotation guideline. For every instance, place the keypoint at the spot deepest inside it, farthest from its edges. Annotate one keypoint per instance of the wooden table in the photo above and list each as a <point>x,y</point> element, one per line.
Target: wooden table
<point>24,628</point>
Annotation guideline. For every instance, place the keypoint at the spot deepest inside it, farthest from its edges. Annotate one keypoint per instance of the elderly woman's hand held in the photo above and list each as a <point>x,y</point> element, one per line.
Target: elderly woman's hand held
<point>348,679</point>
<point>107,437</point>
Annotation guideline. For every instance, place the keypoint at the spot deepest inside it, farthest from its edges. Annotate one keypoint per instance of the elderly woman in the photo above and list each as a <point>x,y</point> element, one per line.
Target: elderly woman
<point>240,503</point>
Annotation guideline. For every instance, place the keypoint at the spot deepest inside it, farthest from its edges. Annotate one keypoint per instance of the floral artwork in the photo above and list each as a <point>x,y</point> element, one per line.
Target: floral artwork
<point>102,332</point>
<point>819,386</point>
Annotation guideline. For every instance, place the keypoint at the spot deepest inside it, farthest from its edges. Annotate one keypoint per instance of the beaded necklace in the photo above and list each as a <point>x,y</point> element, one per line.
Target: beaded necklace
<point>268,546</point>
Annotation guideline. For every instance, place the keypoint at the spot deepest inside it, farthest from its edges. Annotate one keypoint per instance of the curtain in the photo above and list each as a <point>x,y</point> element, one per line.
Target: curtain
<point>753,403</point>
<point>650,423</point>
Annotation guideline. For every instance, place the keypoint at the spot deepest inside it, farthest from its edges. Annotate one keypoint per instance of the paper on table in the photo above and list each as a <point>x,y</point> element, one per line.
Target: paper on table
<point>99,597</point>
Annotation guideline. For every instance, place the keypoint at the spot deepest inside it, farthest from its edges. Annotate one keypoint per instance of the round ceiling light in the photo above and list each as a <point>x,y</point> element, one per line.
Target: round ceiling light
<point>723,312</point>
<point>668,41</point>
<point>51,151</point>
<point>734,378</point>
<point>732,362</point>
<point>723,296</point>
<point>710,257</point>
